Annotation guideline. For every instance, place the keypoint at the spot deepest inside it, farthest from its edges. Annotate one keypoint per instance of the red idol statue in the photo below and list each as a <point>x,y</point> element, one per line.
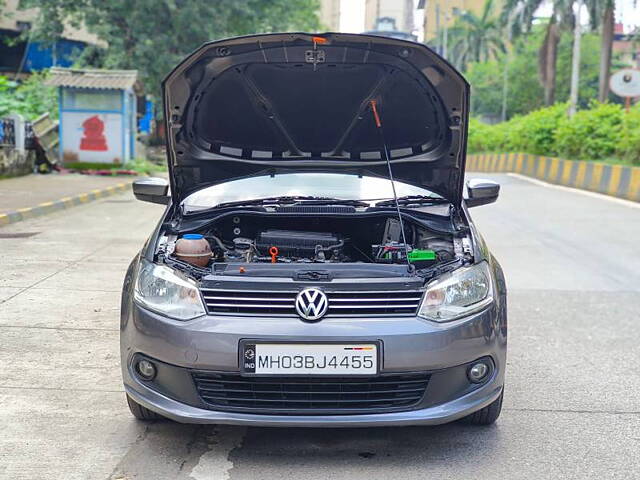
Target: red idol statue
<point>93,137</point>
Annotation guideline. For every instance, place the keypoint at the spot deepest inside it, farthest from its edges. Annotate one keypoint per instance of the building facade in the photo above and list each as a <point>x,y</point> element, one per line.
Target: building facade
<point>20,55</point>
<point>438,13</point>
<point>330,15</point>
<point>625,46</point>
<point>400,11</point>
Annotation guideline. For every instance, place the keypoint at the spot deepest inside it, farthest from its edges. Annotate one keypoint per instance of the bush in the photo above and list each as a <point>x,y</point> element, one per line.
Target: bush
<point>598,133</point>
<point>532,133</point>
<point>478,133</point>
<point>629,143</point>
<point>535,132</point>
<point>592,134</point>
<point>140,165</point>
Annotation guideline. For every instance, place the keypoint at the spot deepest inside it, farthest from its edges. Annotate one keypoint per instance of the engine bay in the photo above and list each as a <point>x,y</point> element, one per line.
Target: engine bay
<point>250,238</point>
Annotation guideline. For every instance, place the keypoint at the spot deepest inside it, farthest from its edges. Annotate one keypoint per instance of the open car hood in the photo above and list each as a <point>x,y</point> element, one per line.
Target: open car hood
<point>296,102</point>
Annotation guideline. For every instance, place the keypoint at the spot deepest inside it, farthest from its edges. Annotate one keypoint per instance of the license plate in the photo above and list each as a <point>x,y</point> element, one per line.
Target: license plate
<point>310,359</point>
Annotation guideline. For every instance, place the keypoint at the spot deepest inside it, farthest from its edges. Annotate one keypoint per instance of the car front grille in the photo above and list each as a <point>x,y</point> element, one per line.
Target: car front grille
<point>311,395</point>
<point>341,303</point>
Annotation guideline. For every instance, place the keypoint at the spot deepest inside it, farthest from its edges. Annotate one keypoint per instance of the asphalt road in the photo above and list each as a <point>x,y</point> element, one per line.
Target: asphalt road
<point>572,404</point>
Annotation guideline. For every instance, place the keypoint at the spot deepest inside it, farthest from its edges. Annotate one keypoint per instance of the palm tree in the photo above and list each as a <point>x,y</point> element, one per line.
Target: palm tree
<point>575,63</point>
<point>601,13</point>
<point>476,38</point>
<point>561,17</point>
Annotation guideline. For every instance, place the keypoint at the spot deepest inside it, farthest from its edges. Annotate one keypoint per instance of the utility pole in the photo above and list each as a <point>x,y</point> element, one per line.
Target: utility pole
<point>437,30</point>
<point>508,58</point>
<point>505,90</point>
<point>575,63</point>
<point>505,78</point>
<point>446,34</point>
<point>446,37</point>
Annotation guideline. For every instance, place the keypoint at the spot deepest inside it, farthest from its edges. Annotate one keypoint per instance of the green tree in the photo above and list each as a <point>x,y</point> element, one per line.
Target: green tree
<point>152,36</point>
<point>523,11</point>
<point>525,93</point>
<point>476,38</point>
<point>589,67</point>
<point>29,98</point>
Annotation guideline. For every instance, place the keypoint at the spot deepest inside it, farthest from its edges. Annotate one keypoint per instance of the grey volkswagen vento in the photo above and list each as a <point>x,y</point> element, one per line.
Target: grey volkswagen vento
<point>316,264</point>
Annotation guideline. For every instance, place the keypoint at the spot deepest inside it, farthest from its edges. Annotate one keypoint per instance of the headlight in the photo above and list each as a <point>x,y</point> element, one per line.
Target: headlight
<point>459,293</point>
<point>161,289</point>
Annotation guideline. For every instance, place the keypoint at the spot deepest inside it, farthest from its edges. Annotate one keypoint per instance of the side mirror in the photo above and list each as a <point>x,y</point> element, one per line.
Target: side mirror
<point>152,189</point>
<point>481,192</point>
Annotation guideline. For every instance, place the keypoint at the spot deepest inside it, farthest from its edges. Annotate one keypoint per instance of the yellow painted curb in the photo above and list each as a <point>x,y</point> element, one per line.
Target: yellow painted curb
<point>582,170</point>
<point>634,185</point>
<point>553,168</point>
<point>616,180</point>
<point>596,176</point>
<point>62,204</point>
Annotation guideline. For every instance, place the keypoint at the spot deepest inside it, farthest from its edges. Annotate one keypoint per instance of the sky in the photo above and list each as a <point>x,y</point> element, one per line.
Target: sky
<point>352,15</point>
<point>626,13</point>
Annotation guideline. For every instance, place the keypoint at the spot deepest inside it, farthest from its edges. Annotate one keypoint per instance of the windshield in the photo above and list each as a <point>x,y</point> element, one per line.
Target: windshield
<point>340,186</point>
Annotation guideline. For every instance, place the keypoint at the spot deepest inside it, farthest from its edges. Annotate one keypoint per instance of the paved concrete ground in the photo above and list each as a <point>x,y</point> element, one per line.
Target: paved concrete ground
<point>572,405</point>
<point>31,190</point>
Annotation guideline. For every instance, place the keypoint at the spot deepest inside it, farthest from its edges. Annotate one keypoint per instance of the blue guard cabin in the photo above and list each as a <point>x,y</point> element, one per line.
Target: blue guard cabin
<point>97,114</point>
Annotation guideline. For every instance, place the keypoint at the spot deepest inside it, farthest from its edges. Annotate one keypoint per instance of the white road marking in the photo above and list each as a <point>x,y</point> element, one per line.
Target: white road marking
<point>601,196</point>
<point>214,464</point>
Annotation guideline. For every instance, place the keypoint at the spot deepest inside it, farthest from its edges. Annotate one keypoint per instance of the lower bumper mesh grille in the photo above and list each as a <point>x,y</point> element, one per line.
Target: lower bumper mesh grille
<point>311,395</point>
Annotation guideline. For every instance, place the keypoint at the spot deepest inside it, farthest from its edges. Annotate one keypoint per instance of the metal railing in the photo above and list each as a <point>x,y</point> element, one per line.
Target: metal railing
<point>15,133</point>
<point>8,132</point>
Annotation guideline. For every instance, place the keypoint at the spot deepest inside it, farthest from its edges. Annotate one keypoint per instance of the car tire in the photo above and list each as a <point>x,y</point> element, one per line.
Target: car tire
<point>487,415</point>
<point>140,412</point>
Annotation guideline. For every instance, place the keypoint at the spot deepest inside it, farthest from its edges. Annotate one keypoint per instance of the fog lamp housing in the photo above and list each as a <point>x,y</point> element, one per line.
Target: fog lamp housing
<point>146,369</point>
<point>479,371</point>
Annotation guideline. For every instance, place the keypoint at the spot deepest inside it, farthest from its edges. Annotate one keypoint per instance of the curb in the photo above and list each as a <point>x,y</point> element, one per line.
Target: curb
<point>619,181</point>
<point>62,204</point>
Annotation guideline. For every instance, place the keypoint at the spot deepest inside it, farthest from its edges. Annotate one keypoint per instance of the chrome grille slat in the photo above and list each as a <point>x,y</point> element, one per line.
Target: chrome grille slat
<point>358,300</point>
<point>339,292</point>
<point>253,299</point>
<point>281,303</point>
<point>247,305</point>
<point>412,305</point>
<point>328,315</point>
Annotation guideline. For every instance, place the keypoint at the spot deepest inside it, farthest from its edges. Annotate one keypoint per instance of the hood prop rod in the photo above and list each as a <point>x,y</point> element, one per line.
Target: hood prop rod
<point>385,149</point>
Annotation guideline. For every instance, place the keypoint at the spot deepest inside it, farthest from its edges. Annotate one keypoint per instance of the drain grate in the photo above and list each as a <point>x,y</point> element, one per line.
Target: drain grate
<point>119,201</point>
<point>18,235</point>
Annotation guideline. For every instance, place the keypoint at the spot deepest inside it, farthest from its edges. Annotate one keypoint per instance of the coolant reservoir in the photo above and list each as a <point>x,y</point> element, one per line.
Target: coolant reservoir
<point>194,249</point>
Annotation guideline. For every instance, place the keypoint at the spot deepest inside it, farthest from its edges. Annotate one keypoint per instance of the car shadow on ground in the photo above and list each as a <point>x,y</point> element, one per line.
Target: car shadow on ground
<point>324,452</point>
<point>368,443</point>
<point>179,451</point>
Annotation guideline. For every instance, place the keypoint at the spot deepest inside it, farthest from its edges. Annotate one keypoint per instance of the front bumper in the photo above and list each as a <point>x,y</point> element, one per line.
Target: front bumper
<point>436,415</point>
<point>409,345</point>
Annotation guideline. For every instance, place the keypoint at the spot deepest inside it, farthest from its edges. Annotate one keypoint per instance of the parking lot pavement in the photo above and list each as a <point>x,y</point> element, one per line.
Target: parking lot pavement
<point>572,404</point>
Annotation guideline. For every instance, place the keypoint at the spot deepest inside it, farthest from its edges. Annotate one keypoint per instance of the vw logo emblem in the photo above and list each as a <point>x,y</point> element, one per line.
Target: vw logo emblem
<point>311,304</point>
